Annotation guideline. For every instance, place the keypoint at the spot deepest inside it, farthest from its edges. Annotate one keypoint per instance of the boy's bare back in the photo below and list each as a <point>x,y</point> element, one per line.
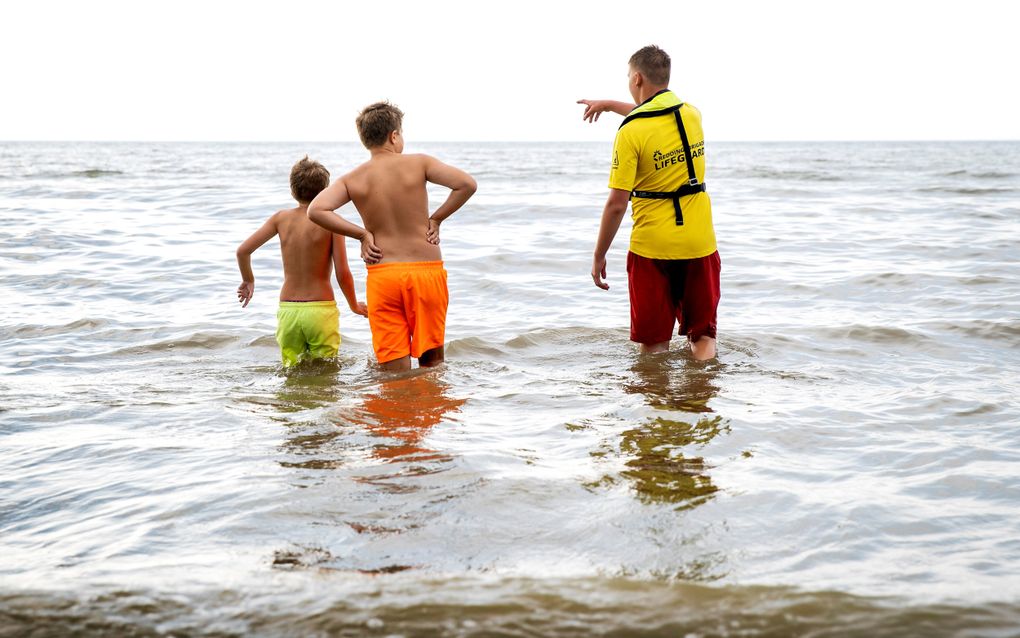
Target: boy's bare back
<point>307,251</point>
<point>389,193</point>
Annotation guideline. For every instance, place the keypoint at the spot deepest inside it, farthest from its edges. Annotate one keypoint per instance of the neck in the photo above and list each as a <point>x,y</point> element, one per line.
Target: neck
<point>647,92</point>
<point>385,149</point>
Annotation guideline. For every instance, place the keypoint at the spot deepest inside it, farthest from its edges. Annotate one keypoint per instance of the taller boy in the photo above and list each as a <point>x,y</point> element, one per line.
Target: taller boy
<point>407,293</point>
<point>659,166</point>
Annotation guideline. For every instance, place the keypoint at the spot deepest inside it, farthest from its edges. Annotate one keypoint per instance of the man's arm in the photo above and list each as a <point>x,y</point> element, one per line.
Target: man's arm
<point>344,276</point>
<point>462,186</point>
<point>612,215</point>
<point>321,211</point>
<point>244,251</point>
<point>594,108</point>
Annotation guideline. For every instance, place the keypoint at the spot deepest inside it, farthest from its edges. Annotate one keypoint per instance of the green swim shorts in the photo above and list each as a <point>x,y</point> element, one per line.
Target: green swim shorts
<point>307,329</point>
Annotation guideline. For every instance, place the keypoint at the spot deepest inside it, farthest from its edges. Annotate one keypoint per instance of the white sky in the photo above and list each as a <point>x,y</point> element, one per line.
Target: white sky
<point>301,70</point>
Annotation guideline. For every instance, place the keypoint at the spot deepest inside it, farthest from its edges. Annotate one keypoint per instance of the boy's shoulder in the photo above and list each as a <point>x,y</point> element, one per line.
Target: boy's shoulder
<point>286,216</point>
<point>400,162</point>
<point>419,161</point>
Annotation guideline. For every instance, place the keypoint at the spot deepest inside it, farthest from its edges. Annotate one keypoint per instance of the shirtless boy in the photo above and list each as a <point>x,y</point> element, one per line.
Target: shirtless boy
<point>308,319</point>
<point>407,293</point>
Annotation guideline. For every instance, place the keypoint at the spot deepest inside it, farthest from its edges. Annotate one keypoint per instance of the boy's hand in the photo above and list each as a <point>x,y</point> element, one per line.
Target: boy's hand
<point>598,272</point>
<point>432,234</point>
<point>360,308</point>
<point>593,109</point>
<point>370,253</point>
<point>245,292</point>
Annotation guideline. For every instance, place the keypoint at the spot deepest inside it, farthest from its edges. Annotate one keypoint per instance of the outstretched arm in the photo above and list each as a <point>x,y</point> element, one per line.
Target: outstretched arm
<point>321,211</point>
<point>462,186</point>
<point>594,108</point>
<point>344,276</point>
<point>244,251</point>
<point>612,215</point>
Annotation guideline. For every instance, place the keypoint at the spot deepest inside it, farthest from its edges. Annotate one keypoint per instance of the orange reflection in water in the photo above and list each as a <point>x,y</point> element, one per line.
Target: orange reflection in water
<point>402,411</point>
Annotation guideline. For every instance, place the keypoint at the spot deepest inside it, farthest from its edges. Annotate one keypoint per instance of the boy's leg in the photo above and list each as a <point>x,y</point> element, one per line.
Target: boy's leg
<point>322,330</point>
<point>396,365</point>
<point>289,336</point>
<point>432,357</point>
<point>391,338</point>
<point>428,301</point>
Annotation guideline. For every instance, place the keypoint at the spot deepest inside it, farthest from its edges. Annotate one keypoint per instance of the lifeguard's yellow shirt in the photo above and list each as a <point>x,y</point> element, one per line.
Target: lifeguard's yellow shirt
<point>649,156</point>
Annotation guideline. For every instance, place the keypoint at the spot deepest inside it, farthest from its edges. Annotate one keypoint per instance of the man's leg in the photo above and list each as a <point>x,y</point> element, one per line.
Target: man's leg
<point>700,305</point>
<point>651,305</point>
<point>703,348</point>
<point>432,357</point>
<point>653,348</point>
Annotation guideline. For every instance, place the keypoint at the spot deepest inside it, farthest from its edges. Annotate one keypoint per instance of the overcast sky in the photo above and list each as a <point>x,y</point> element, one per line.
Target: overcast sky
<point>301,70</point>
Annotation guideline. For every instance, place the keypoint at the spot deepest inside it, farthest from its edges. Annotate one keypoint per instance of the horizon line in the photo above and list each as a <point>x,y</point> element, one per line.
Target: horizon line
<point>493,141</point>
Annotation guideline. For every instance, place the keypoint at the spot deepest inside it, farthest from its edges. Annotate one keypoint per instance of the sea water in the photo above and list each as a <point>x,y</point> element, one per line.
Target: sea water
<point>848,465</point>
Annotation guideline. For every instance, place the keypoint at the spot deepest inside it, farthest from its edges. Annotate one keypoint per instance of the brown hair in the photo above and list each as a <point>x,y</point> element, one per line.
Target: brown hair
<point>307,179</point>
<point>653,63</point>
<point>377,121</point>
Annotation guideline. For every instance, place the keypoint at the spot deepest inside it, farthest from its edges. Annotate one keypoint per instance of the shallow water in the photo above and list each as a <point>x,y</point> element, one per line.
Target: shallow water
<point>848,466</point>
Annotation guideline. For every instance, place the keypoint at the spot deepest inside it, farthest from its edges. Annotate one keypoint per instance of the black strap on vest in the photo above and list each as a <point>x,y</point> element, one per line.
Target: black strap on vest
<point>692,186</point>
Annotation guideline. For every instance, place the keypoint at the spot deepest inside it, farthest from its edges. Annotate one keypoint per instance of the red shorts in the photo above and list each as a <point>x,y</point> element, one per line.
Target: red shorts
<point>663,291</point>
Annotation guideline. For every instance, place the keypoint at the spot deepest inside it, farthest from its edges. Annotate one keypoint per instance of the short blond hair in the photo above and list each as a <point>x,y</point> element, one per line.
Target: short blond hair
<point>377,121</point>
<point>308,178</point>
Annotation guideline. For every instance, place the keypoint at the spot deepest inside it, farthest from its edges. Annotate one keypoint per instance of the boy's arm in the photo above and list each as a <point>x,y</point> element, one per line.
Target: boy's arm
<point>594,108</point>
<point>321,211</point>
<point>462,186</point>
<point>344,276</point>
<point>244,251</point>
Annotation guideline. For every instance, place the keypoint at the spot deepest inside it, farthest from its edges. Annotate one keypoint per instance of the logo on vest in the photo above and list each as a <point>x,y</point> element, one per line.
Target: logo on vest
<point>616,159</point>
<point>676,156</point>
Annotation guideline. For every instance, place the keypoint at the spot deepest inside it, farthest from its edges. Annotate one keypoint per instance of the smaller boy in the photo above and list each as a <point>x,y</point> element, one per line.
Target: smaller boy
<point>406,288</point>
<point>308,319</point>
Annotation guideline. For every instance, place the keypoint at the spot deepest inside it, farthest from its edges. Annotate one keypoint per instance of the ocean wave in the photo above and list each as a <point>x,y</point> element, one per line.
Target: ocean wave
<point>468,347</point>
<point>96,172</point>
<point>888,279</point>
<point>965,190</point>
<point>872,334</point>
<point>532,339</point>
<point>193,341</point>
<point>1004,331</point>
<point>791,175</point>
<point>90,173</point>
<point>979,174</point>
<point>415,604</point>
<point>28,331</point>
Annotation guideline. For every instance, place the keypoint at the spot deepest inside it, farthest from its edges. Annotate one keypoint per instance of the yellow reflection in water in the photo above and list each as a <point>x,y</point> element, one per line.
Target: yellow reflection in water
<point>657,454</point>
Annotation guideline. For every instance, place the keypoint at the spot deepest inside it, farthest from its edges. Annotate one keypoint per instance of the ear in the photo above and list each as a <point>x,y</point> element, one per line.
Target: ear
<point>393,136</point>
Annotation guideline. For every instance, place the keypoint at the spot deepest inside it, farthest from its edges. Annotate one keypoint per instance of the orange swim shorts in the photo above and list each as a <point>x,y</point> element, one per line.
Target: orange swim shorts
<point>407,308</point>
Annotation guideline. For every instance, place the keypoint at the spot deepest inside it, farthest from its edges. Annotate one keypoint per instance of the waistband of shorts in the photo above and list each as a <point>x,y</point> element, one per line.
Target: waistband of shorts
<point>405,265</point>
<point>307,304</point>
